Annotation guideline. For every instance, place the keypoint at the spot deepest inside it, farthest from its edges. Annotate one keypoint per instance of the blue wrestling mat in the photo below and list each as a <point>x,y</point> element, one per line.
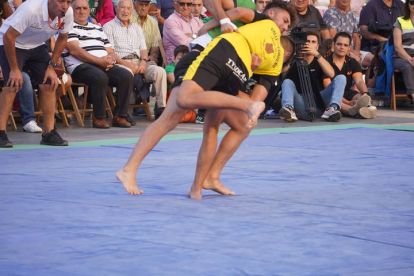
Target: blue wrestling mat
<point>332,202</point>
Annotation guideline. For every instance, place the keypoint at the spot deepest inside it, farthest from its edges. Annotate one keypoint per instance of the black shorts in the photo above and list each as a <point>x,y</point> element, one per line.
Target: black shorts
<point>349,94</point>
<point>33,60</point>
<point>219,66</point>
<point>184,63</point>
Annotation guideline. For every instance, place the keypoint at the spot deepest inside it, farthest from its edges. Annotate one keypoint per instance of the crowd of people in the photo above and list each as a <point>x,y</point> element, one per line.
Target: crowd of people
<point>241,48</point>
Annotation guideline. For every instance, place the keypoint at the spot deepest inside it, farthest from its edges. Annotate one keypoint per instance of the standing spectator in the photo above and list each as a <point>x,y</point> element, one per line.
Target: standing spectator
<point>310,15</point>
<point>128,42</point>
<point>403,44</point>
<point>260,5</point>
<point>90,59</point>
<point>376,21</point>
<point>340,19</point>
<point>323,5</point>
<point>180,28</point>
<point>102,11</point>
<point>197,8</point>
<point>24,46</point>
<point>150,27</point>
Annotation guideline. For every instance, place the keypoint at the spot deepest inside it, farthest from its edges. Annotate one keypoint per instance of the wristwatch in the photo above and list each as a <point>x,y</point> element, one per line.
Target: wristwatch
<point>194,36</point>
<point>52,64</point>
<point>318,56</point>
<point>144,59</point>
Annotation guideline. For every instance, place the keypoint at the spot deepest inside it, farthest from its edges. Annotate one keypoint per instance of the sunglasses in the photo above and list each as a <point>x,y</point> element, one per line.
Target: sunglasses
<point>182,4</point>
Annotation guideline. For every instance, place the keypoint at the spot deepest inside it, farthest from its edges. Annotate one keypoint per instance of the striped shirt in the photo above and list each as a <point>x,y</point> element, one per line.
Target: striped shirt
<point>91,38</point>
<point>125,40</point>
<point>151,30</point>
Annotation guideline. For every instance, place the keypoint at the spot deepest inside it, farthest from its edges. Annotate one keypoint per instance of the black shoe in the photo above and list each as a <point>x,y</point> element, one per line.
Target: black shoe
<point>199,119</point>
<point>130,120</point>
<point>138,111</point>
<point>53,139</point>
<point>4,140</point>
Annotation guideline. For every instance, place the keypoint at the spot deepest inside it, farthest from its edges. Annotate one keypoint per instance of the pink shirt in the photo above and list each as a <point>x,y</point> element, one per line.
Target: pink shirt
<point>106,13</point>
<point>175,28</point>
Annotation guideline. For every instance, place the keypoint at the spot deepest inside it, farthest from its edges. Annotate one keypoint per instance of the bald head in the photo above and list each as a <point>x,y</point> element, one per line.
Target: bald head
<point>81,11</point>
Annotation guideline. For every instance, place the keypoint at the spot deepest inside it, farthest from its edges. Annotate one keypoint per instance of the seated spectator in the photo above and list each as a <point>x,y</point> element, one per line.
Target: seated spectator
<point>328,100</point>
<point>403,45</point>
<point>133,51</point>
<point>180,28</point>
<point>354,103</point>
<point>322,5</point>
<point>376,21</point>
<point>179,52</point>
<point>27,112</point>
<point>102,11</point>
<point>91,60</point>
<point>340,19</point>
<point>325,49</point>
<point>150,27</point>
<point>310,17</point>
<point>260,5</point>
<point>197,8</point>
<point>161,10</point>
<point>377,66</point>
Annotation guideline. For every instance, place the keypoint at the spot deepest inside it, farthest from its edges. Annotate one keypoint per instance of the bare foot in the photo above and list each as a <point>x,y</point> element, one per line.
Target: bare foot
<point>216,186</point>
<point>254,112</point>
<point>129,182</point>
<point>194,195</point>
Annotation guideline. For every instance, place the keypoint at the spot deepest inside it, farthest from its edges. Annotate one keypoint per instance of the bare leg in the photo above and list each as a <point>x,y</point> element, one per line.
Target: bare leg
<point>6,101</point>
<point>47,103</point>
<point>207,151</point>
<point>191,96</point>
<point>151,136</point>
<point>208,172</point>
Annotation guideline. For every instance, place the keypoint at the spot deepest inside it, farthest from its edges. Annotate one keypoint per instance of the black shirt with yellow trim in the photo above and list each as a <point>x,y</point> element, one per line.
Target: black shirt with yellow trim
<point>349,69</point>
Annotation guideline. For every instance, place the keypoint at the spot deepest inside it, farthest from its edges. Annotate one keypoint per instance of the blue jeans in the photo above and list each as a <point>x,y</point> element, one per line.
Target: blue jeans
<point>25,97</point>
<point>331,95</point>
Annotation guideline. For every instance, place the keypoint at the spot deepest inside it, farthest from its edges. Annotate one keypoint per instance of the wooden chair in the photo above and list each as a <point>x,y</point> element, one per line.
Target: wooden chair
<point>394,97</point>
<point>163,54</point>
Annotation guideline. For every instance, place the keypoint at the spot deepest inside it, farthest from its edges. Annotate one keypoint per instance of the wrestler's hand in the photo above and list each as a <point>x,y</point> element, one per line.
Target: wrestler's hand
<point>256,61</point>
<point>15,81</point>
<point>51,74</point>
<point>228,28</point>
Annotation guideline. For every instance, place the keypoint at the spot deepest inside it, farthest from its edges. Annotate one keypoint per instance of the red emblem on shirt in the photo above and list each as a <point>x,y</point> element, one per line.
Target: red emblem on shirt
<point>269,48</point>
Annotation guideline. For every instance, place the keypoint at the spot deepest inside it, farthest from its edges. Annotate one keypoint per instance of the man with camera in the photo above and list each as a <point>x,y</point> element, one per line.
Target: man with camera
<point>328,100</point>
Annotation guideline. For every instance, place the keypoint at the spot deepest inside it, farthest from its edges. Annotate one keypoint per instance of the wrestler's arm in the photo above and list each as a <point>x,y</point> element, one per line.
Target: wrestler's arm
<point>242,14</point>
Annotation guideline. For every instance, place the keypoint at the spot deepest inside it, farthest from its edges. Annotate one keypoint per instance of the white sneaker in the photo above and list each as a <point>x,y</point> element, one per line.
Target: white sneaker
<point>364,101</point>
<point>369,112</point>
<point>32,127</point>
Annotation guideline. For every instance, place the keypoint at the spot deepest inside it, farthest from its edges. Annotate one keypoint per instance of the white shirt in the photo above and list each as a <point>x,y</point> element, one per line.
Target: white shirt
<point>31,20</point>
<point>91,38</point>
<point>125,40</point>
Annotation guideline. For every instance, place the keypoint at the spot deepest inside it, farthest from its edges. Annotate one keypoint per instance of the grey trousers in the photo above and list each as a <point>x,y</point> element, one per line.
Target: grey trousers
<point>407,71</point>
